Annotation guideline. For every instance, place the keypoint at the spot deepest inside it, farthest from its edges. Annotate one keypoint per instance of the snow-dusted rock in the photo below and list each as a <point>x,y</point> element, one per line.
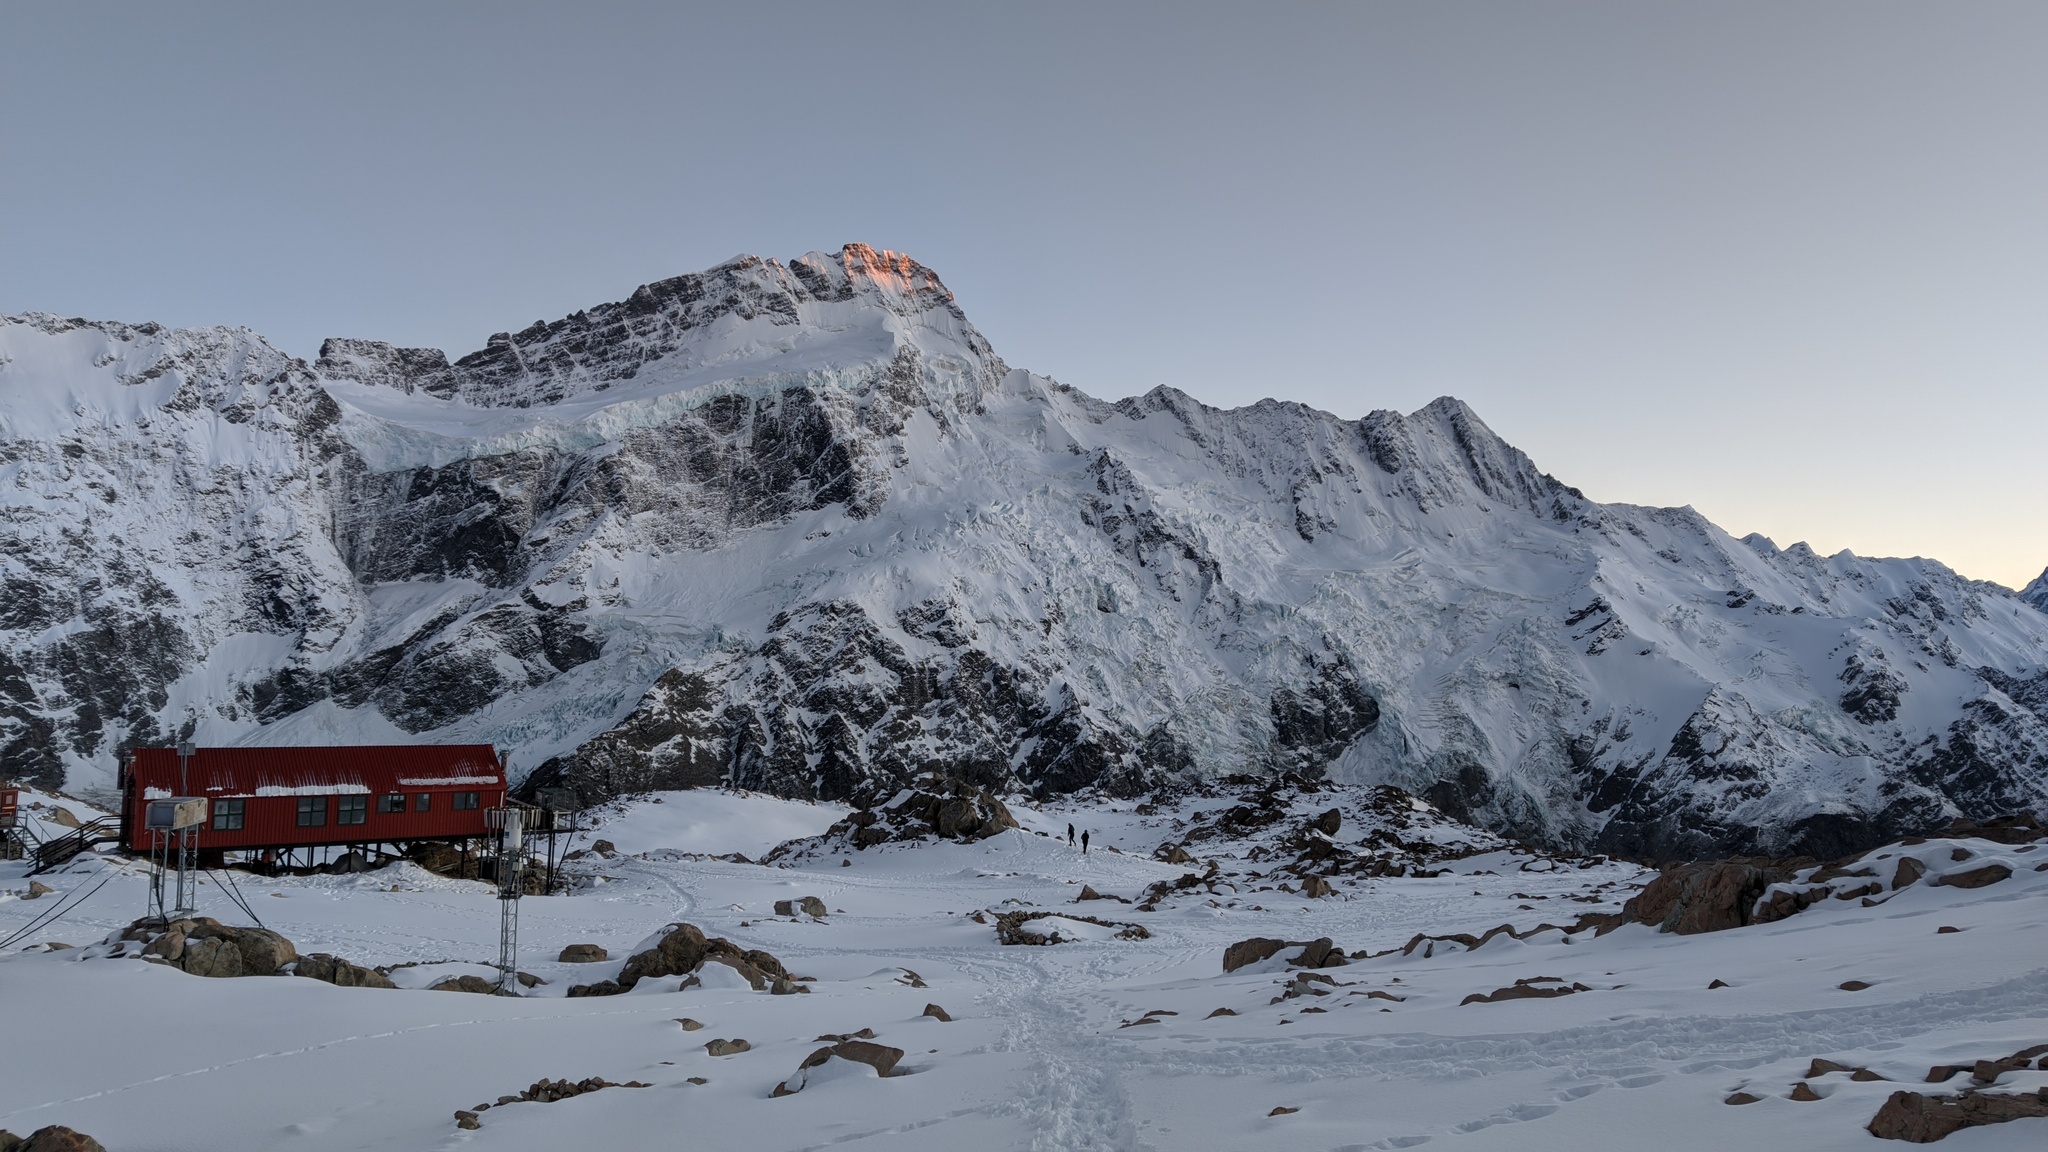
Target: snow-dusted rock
<point>797,528</point>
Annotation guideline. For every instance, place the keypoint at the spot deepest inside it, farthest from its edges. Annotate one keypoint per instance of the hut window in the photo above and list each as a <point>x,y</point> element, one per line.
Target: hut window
<point>392,803</point>
<point>464,801</point>
<point>353,810</point>
<point>422,801</point>
<point>227,815</point>
<point>312,811</point>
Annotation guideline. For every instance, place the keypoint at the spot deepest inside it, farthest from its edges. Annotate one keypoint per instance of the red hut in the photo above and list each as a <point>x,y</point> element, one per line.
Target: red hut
<point>261,798</point>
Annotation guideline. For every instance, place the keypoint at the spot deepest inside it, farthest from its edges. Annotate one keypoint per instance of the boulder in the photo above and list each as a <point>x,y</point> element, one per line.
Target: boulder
<point>338,972</point>
<point>1921,1119</point>
<point>1320,953</point>
<point>1975,877</point>
<point>57,1138</point>
<point>1909,871</point>
<point>213,956</point>
<point>1329,822</point>
<point>880,1057</point>
<point>466,983</point>
<point>1250,951</point>
<point>583,954</point>
<point>727,1047</point>
<point>937,1013</point>
<point>1706,896</point>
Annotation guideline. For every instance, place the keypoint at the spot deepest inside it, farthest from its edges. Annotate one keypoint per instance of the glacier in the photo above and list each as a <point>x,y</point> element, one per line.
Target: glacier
<point>795,527</point>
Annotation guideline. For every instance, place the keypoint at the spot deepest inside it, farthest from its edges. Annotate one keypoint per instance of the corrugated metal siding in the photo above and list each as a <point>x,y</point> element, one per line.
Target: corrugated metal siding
<point>270,782</point>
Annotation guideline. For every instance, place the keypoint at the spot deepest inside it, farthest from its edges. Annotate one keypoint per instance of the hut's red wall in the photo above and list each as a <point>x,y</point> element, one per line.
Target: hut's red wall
<point>272,821</point>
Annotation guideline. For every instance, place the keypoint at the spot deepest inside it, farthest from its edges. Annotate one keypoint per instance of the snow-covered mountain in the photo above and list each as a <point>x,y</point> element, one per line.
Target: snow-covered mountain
<point>797,527</point>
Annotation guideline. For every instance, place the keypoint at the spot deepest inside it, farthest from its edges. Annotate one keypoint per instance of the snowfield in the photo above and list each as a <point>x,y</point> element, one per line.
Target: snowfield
<point>1097,1042</point>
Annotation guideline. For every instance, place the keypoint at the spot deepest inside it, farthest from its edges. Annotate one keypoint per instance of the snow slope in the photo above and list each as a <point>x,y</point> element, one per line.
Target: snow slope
<point>796,528</point>
<point>1045,1051</point>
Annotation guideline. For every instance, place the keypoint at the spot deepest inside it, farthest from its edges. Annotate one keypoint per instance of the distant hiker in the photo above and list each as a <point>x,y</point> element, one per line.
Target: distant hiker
<point>1070,835</point>
<point>1084,843</point>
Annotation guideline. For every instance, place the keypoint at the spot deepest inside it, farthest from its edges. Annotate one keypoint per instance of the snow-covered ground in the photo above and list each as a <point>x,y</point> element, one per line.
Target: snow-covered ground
<point>1045,1049</point>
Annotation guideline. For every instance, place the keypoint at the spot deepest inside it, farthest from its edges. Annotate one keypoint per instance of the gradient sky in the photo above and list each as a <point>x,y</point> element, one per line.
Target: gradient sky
<point>1787,263</point>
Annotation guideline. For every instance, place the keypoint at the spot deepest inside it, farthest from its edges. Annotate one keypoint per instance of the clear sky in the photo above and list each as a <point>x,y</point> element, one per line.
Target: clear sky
<point>1787,263</point>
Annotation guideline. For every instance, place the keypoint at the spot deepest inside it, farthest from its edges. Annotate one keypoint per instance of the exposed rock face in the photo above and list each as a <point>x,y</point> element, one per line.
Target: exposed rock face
<point>936,807</point>
<point>796,527</point>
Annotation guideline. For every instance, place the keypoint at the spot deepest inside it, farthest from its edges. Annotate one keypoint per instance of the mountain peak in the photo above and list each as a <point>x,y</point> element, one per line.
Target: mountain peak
<point>747,316</point>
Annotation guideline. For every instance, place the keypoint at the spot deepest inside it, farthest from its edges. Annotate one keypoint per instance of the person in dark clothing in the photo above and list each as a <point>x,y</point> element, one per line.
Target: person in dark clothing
<point>1084,843</point>
<point>1070,835</point>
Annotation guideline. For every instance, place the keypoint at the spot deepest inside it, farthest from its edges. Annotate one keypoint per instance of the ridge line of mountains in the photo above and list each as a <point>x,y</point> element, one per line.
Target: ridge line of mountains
<point>795,527</point>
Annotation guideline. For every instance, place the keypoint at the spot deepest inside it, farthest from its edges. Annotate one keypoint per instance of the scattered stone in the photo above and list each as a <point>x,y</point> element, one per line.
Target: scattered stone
<point>1220,1012</point>
<point>1528,988</point>
<point>1864,1075</point>
<point>1315,887</point>
<point>604,848</point>
<point>1329,822</point>
<point>1173,854</point>
<point>1853,985</point>
<point>1819,1068</point>
<point>583,954</point>
<point>1975,877</point>
<point>910,979</point>
<point>1087,893</point>
<point>1010,927</point>
<point>727,1047</point>
<point>37,889</point>
<point>1804,1092</point>
<point>1718,983</point>
<point>839,1037</point>
<point>1283,1110</point>
<point>698,1080</point>
<point>1945,929</point>
<point>465,1119</point>
<point>1960,854</point>
<point>1921,1119</point>
<point>548,1091</point>
<point>937,1013</point>
<point>1141,1020</point>
<point>1742,1098</point>
<point>688,1024</point>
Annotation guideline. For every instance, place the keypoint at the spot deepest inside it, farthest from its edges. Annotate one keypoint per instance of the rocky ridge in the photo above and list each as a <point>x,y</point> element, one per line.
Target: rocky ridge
<point>796,527</point>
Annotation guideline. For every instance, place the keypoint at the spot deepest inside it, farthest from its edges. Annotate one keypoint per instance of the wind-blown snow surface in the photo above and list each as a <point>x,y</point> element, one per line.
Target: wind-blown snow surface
<point>1037,1056</point>
<point>796,528</point>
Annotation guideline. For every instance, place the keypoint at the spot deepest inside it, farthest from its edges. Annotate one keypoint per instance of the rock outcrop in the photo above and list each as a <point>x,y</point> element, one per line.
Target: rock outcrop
<point>683,950</point>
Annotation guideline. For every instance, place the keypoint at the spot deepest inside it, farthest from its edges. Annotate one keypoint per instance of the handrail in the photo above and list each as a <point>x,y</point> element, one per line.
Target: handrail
<point>62,849</point>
